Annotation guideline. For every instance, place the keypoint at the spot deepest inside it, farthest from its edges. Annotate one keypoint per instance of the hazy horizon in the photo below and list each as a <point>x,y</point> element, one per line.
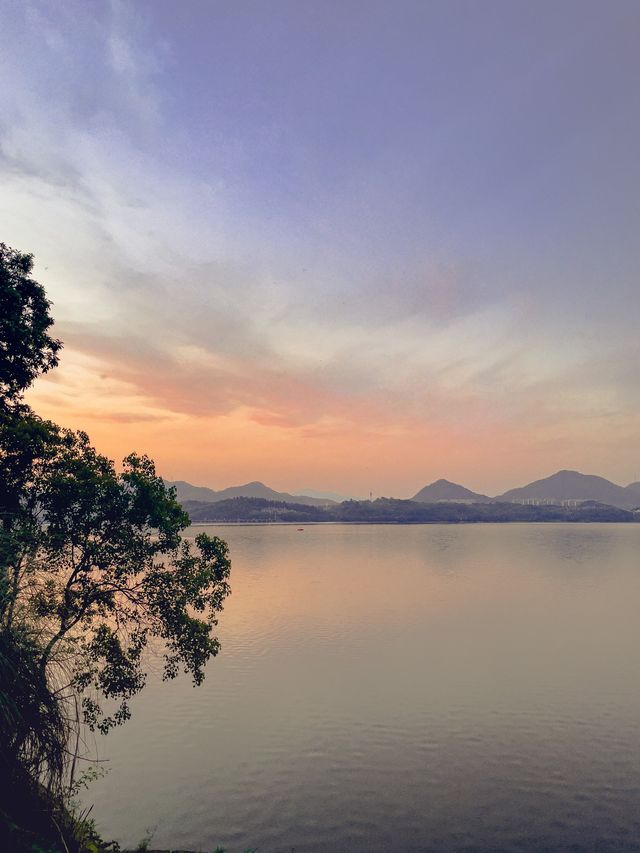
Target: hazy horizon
<point>335,492</point>
<point>338,246</point>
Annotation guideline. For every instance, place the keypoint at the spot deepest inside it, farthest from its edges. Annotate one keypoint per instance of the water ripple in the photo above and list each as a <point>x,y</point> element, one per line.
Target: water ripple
<point>414,689</point>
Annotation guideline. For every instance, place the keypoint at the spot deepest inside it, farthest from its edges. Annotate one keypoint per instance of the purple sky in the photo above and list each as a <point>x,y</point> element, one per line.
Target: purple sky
<point>345,245</point>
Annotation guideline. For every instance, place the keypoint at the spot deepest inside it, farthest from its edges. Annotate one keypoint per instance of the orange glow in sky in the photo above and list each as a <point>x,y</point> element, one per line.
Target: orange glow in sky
<point>357,253</point>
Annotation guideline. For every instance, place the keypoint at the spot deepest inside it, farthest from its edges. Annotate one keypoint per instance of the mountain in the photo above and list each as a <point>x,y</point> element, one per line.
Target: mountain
<point>633,489</point>
<point>443,490</point>
<point>187,492</point>
<point>562,486</point>
<point>259,490</point>
<point>574,486</point>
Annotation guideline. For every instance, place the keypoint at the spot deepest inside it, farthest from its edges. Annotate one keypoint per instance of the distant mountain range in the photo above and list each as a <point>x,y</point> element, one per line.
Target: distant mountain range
<point>573,486</point>
<point>562,487</point>
<point>187,492</point>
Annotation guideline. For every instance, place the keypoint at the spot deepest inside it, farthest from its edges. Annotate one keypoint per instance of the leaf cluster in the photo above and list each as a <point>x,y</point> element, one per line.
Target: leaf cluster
<point>26,347</point>
<point>97,568</point>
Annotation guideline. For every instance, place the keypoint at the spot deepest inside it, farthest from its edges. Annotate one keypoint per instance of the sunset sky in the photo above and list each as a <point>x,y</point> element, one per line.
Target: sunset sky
<point>343,245</point>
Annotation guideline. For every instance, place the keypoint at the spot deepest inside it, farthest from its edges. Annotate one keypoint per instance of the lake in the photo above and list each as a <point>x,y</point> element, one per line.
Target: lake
<point>409,688</point>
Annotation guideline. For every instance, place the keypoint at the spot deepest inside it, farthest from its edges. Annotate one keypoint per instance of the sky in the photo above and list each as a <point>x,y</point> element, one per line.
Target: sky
<point>352,246</point>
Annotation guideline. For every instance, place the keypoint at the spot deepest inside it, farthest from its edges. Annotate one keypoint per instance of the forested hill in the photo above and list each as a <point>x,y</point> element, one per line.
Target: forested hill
<point>390,511</point>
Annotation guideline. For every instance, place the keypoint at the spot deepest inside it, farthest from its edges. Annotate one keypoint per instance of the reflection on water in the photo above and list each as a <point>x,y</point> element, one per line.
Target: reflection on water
<point>400,688</point>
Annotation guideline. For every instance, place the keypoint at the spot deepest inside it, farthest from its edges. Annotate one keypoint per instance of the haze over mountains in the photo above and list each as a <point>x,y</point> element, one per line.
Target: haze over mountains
<point>332,496</point>
<point>573,486</point>
<point>255,489</point>
<point>561,487</point>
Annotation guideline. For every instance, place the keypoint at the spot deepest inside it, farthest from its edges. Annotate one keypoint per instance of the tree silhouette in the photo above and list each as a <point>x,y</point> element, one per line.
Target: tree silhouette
<point>93,566</point>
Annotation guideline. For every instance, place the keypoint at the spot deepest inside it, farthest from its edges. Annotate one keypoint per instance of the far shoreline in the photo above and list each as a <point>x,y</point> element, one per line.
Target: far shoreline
<point>487,522</point>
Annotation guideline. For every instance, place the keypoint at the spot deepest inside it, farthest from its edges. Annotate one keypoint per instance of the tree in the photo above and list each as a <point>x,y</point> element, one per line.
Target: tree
<point>26,348</point>
<point>93,567</point>
<point>99,568</point>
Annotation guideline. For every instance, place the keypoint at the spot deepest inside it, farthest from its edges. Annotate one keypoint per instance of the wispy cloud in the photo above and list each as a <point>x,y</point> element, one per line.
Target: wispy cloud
<point>200,274</point>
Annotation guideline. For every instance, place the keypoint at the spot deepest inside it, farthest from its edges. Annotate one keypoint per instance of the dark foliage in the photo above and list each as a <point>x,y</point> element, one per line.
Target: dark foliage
<point>392,511</point>
<point>93,569</point>
<point>26,348</point>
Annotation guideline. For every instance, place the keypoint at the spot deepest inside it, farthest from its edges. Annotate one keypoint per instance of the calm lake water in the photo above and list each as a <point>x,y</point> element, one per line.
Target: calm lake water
<point>405,688</point>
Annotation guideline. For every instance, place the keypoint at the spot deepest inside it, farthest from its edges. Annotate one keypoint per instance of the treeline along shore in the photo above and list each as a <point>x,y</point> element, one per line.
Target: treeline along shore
<point>394,511</point>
